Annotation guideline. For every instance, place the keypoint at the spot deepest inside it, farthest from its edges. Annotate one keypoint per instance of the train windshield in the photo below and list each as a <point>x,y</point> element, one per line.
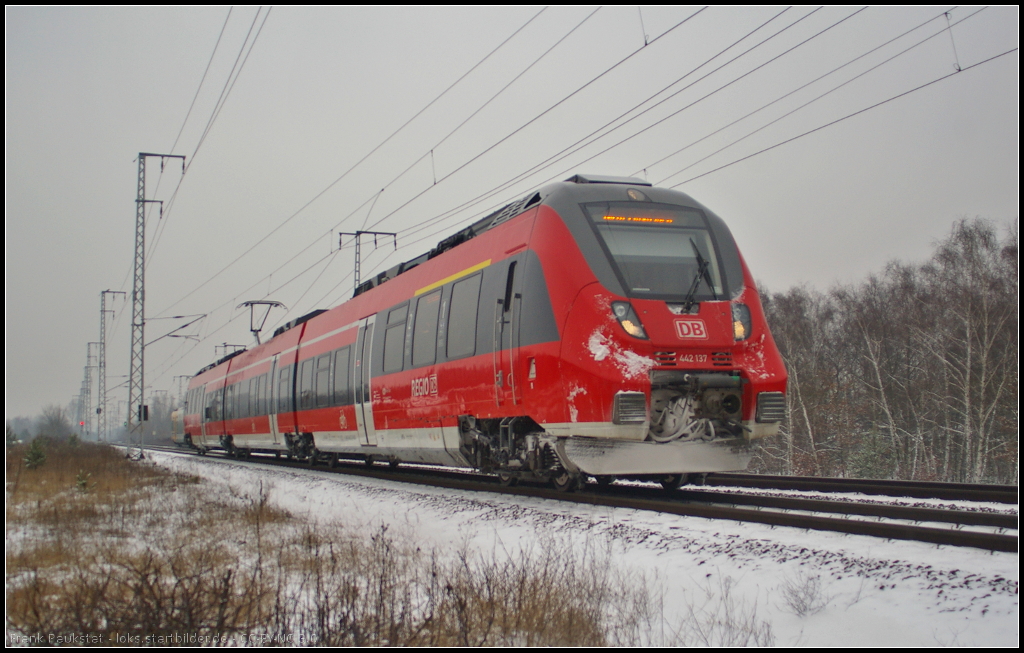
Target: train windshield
<point>658,250</point>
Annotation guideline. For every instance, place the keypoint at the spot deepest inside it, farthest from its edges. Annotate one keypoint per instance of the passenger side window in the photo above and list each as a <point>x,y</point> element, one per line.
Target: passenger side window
<point>424,338</point>
<point>284,390</point>
<point>342,374</point>
<point>229,402</point>
<point>264,401</point>
<point>306,384</point>
<point>462,317</point>
<point>254,396</point>
<point>322,379</point>
<point>394,339</point>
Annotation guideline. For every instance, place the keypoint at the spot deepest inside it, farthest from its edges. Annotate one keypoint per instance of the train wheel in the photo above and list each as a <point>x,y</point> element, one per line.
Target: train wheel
<point>565,482</point>
<point>507,480</point>
<point>369,461</point>
<point>604,481</point>
<point>394,463</point>
<point>334,461</point>
<point>674,482</point>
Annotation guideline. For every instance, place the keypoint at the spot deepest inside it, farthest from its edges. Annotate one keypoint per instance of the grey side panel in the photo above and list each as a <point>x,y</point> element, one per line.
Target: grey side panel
<point>566,200</point>
<point>537,318</point>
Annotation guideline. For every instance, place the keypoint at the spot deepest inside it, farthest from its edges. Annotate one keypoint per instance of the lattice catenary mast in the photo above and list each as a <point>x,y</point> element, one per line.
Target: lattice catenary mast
<point>136,409</point>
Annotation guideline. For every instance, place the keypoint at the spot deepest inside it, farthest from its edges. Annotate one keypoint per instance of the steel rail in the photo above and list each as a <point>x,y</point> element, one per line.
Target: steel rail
<point>914,489</point>
<point>885,511</point>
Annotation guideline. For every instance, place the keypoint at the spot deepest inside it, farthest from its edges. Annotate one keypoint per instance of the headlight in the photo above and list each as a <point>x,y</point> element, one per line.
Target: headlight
<point>627,317</point>
<point>740,321</point>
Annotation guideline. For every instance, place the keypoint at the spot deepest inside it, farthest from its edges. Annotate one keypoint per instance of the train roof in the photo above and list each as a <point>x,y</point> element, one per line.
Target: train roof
<point>483,225</point>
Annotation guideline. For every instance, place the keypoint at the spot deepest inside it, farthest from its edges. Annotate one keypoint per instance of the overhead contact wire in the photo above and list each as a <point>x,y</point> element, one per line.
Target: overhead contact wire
<point>430,152</point>
<point>815,99</point>
<point>522,176</point>
<point>782,97</point>
<point>203,79</point>
<point>701,99</point>
<point>225,91</point>
<point>540,115</point>
<point>554,158</point>
<point>851,115</point>
<point>221,101</point>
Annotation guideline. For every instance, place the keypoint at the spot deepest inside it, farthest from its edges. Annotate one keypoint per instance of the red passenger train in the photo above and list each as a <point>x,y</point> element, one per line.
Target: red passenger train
<point>599,327</point>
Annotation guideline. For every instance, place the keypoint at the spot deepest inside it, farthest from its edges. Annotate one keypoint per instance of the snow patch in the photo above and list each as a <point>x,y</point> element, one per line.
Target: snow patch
<point>598,346</point>
<point>879,592</point>
<point>631,364</point>
<point>574,413</point>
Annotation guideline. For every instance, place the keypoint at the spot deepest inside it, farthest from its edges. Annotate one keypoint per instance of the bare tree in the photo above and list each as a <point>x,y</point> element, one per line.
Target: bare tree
<point>910,374</point>
<point>54,423</point>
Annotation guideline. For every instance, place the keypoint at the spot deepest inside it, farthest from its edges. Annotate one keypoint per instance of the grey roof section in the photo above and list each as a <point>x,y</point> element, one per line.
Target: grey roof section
<point>607,179</point>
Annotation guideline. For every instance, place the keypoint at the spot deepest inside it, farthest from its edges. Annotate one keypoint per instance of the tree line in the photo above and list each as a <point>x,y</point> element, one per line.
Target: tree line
<point>55,423</point>
<point>912,374</point>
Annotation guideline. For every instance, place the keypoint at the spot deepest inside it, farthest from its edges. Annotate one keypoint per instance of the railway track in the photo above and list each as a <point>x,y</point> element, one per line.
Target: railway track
<point>914,489</point>
<point>957,527</point>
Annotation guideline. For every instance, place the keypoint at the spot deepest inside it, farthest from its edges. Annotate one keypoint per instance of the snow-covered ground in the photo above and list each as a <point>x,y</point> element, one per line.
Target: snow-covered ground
<point>813,588</point>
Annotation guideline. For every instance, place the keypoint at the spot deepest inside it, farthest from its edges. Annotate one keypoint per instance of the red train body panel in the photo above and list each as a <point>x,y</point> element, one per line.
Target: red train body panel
<point>597,327</point>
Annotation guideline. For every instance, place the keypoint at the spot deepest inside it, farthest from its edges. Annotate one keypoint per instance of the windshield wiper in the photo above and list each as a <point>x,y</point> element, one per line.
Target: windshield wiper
<point>702,273</point>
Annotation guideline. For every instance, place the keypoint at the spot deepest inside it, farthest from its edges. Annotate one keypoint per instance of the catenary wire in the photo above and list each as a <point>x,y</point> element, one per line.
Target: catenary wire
<point>677,112</point>
<point>501,187</point>
<point>869,107</point>
<point>816,98</point>
<point>850,115</point>
<point>430,152</point>
<point>450,133</point>
<point>447,215</point>
<point>346,173</point>
<point>800,88</point>
<point>203,79</point>
<point>538,116</point>
<point>218,107</point>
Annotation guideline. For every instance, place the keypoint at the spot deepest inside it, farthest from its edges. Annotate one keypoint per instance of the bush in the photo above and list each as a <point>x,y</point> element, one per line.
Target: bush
<point>36,456</point>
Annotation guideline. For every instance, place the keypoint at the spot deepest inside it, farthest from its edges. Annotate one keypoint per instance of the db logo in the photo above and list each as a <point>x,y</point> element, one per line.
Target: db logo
<point>691,329</point>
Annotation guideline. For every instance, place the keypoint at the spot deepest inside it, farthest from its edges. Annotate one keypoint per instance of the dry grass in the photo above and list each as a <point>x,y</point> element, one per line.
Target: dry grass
<point>723,619</point>
<point>142,555</point>
<point>110,475</point>
<point>804,595</point>
<point>102,545</point>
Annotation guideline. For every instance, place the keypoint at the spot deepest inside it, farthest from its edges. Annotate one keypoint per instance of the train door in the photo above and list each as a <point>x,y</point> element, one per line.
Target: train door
<point>361,383</point>
<point>284,391</point>
<point>201,404</point>
<point>507,309</point>
<point>275,432</point>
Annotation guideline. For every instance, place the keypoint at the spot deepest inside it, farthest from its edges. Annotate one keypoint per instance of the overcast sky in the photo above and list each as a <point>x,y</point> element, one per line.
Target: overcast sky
<point>319,89</point>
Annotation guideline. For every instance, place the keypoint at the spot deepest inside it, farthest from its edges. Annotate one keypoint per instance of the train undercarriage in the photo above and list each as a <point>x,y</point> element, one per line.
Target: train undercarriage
<point>694,426</point>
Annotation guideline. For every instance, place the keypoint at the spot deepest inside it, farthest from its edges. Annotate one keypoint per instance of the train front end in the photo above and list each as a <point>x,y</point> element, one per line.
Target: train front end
<point>667,364</point>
